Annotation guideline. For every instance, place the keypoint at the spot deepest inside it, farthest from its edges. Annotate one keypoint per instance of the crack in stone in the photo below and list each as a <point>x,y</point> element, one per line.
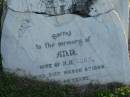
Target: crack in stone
<point>43,13</point>
<point>82,8</point>
<point>99,14</point>
<point>61,7</point>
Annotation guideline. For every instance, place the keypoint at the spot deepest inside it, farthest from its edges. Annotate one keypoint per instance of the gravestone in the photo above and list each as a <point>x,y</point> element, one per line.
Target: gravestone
<point>67,41</point>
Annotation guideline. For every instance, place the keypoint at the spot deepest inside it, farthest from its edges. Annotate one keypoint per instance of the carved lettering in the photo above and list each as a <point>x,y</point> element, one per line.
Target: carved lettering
<point>65,53</point>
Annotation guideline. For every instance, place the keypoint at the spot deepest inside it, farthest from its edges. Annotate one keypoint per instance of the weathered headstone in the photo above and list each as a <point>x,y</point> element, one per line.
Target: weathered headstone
<point>68,41</point>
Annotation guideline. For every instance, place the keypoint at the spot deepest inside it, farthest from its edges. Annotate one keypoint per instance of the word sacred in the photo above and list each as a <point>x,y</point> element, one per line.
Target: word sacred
<point>64,33</point>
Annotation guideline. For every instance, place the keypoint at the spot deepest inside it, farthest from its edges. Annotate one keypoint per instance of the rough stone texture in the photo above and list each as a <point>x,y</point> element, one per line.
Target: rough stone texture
<point>65,45</point>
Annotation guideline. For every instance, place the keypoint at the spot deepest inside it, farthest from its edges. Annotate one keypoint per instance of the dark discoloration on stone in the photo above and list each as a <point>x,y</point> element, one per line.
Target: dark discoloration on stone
<point>38,46</point>
<point>78,7</point>
<point>82,7</point>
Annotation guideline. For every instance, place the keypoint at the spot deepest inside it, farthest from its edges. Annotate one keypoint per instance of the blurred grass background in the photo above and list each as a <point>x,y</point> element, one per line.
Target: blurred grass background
<point>13,86</point>
<point>1,9</point>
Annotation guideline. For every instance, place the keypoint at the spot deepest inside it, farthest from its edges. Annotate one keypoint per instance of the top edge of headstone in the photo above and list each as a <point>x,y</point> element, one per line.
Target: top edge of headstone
<point>54,7</point>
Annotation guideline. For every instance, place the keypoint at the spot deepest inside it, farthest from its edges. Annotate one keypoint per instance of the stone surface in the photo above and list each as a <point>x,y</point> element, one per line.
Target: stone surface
<point>121,6</point>
<point>71,44</point>
<point>129,24</point>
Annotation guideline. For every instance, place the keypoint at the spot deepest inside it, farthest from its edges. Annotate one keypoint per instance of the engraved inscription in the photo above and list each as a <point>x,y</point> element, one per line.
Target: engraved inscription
<point>65,53</point>
<point>69,58</point>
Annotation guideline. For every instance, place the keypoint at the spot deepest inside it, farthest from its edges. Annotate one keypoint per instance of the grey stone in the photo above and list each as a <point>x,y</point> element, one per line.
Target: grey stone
<point>69,47</point>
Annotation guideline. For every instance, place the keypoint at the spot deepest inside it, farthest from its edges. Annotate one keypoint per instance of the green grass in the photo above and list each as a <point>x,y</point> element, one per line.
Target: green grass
<point>13,86</point>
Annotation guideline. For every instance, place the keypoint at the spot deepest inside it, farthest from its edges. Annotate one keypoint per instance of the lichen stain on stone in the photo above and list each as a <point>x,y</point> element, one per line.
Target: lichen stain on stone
<point>38,46</point>
<point>83,7</point>
<point>77,7</point>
